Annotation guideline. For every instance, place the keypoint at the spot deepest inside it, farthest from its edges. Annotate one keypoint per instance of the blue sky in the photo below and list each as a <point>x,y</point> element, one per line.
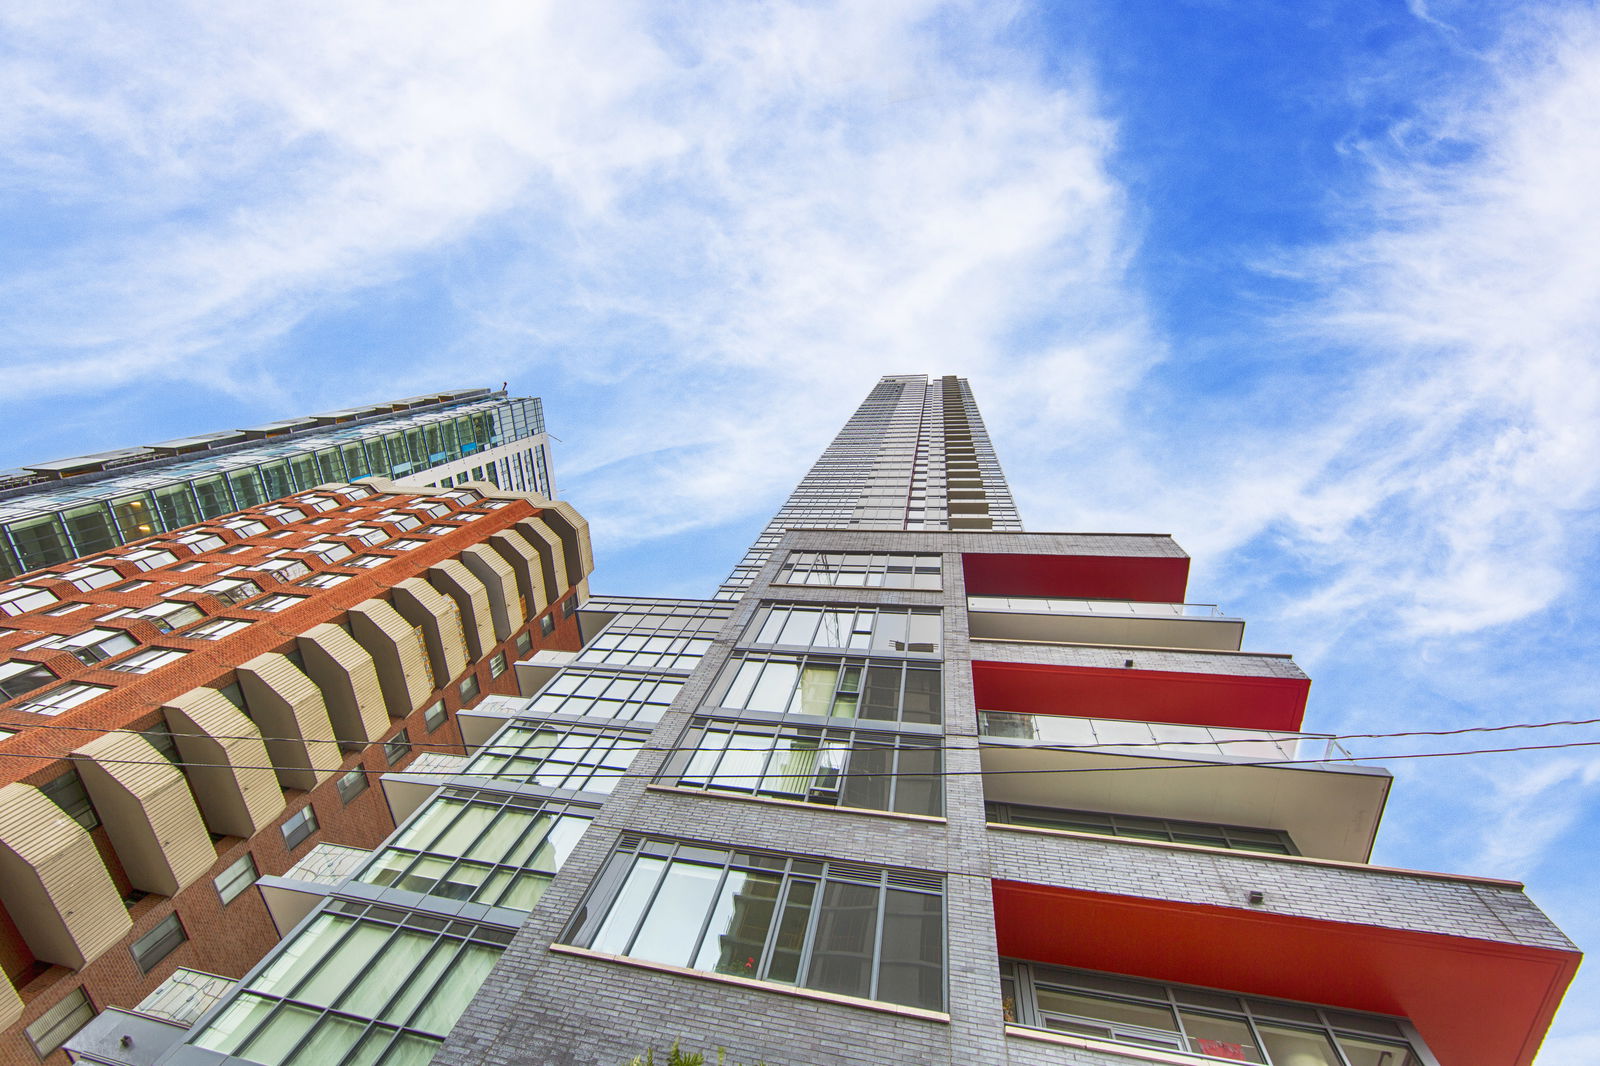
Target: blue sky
<point>1310,286</point>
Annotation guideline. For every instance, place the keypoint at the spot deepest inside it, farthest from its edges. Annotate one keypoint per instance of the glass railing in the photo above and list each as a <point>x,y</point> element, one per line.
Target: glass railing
<point>328,864</point>
<point>1159,738</point>
<point>1114,608</point>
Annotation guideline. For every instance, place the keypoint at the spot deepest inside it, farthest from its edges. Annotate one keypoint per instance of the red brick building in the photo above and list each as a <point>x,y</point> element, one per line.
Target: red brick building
<point>186,713</point>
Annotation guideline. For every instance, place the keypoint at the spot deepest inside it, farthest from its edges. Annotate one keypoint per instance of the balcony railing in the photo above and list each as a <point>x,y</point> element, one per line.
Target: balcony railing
<point>1111,608</point>
<point>1160,739</point>
<point>327,864</point>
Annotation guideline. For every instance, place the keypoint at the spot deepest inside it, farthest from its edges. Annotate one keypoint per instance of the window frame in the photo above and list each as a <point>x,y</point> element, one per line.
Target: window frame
<point>299,827</point>
<point>227,882</point>
<point>55,1017</point>
<point>158,938</point>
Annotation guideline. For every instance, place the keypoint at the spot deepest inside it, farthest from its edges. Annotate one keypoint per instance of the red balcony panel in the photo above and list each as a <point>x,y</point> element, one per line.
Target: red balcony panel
<point>1475,1002</point>
<point>1150,579</point>
<point>1141,695</point>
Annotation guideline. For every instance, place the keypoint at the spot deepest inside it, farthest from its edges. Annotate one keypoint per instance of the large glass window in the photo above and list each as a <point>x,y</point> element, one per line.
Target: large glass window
<point>231,590</point>
<point>136,515</point>
<point>1219,1025</point>
<point>18,678</point>
<point>500,851</point>
<point>372,983</point>
<point>158,943</point>
<point>61,700</point>
<point>246,488</point>
<point>68,793</point>
<point>584,760</point>
<point>836,767</point>
<point>645,651</point>
<point>90,528</point>
<point>59,1022</point>
<point>299,826</point>
<point>829,687</point>
<point>176,506</point>
<point>217,628</point>
<point>846,928</point>
<point>1243,838</point>
<point>240,875</point>
<point>146,660</point>
<point>901,629</point>
<point>23,599</point>
<point>171,614</point>
<point>893,570</point>
<point>212,492</point>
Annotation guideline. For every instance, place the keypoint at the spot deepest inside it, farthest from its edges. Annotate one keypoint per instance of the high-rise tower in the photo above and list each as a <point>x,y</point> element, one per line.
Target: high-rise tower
<point>920,787</point>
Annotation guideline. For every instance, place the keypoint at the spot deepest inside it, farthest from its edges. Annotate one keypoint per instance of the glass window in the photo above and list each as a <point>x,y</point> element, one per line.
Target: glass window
<point>846,928</point>
<point>397,747</point>
<point>232,590</point>
<point>146,660</point>
<point>239,875</point>
<point>40,541</point>
<point>817,686</point>
<point>176,506</point>
<point>85,578</point>
<point>58,1023</point>
<point>20,600</point>
<point>569,606</point>
<point>497,664</point>
<point>1273,841</point>
<point>547,624</point>
<point>647,651</point>
<point>246,486</point>
<point>285,569</point>
<point>158,943</point>
<point>1217,1025</point>
<point>217,628</point>
<point>893,629</point>
<point>90,528</point>
<point>577,692</point>
<point>300,825</point>
<point>835,767</point>
<point>170,614</point>
<point>60,700</point>
<point>568,757</point>
<point>68,793</point>
<point>469,689</point>
<point>498,851</point>
<point>352,784</point>
<point>524,642</point>
<point>276,603</point>
<point>357,980</point>
<point>434,716</point>
<point>18,678</point>
<point>323,581</point>
<point>895,570</point>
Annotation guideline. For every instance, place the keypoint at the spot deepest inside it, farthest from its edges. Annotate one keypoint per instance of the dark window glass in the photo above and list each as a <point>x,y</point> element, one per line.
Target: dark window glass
<point>158,943</point>
<point>352,784</point>
<point>68,793</point>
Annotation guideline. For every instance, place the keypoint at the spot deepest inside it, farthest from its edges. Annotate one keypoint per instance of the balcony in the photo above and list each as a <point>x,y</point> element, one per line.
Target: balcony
<point>1124,623</point>
<point>406,790</point>
<point>1266,778</point>
<point>297,892</point>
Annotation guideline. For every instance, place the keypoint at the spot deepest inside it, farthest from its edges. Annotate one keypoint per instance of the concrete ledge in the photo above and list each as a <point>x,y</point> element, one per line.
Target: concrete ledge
<point>765,986</point>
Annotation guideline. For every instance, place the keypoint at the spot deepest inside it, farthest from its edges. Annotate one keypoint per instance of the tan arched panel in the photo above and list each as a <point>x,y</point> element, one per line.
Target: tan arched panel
<point>148,811</point>
<point>348,679</point>
<point>440,621</point>
<point>524,559</point>
<point>228,772</point>
<point>506,607</point>
<point>457,582</point>
<point>289,709</point>
<point>10,1004</point>
<point>54,886</point>
<point>399,650</point>
<point>552,558</point>
<point>573,529</point>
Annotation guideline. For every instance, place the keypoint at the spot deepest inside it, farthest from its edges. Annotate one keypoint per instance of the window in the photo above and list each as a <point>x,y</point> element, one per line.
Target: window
<point>367,562</point>
<point>67,608</point>
<point>569,606</point>
<point>317,503</point>
<point>400,981</point>
<point>397,747</point>
<point>201,542</point>
<point>276,603</point>
<point>469,688</point>
<point>284,569</point>
<point>1242,838</point>
<point>646,651</point>
<point>18,678</point>
<point>171,614</point>
<point>246,527</point>
<point>158,943</point>
<point>524,642</point>
<point>323,581</point>
<point>366,535</point>
<point>68,793</point>
<point>146,660</point>
<point>352,784</point>
<point>217,628</point>
<point>896,629</point>
<point>58,1023</point>
<point>407,544</point>
<point>186,567</point>
<point>58,700</point>
<point>239,876</point>
<point>836,688</point>
<point>300,825</point>
<point>328,551</point>
<point>836,767</point>
<point>1220,1025</point>
<point>497,664</point>
<point>570,757</point>
<point>231,590</point>
<point>149,558</point>
<point>434,716</point>
<point>547,624</point>
<point>20,600</point>
<point>894,570</point>
<point>85,578</point>
<point>641,699</point>
<point>846,928</point>
<point>498,851</point>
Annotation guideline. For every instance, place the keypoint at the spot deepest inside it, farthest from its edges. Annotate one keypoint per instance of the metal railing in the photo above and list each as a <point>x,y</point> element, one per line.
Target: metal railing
<point>1113,608</point>
<point>1159,738</point>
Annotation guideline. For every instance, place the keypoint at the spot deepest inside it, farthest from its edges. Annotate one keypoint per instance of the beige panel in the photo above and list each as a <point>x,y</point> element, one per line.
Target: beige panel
<point>10,1004</point>
<point>524,559</point>
<point>583,565</point>
<point>148,812</point>
<point>228,771</point>
<point>400,652</point>
<point>552,558</point>
<point>457,582</point>
<point>440,621</point>
<point>506,607</point>
<point>53,883</point>
<point>348,679</point>
<point>289,708</point>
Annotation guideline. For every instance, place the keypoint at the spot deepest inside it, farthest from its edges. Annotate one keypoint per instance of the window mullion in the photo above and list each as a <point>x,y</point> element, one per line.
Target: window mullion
<point>877,934</point>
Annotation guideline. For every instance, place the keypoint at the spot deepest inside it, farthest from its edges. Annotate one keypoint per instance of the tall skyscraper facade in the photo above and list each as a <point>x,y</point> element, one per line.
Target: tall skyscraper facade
<point>66,509</point>
<point>917,786</point>
<point>189,715</point>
